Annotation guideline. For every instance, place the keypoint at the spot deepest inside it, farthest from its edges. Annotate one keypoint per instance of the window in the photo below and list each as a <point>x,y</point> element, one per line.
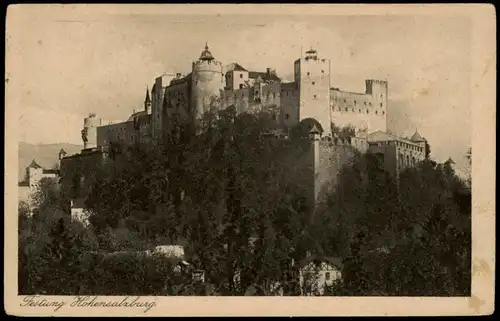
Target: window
<point>314,83</point>
<point>380,104</point>
<point>274,117</point>
<point>383,112</point>
<point>287,116</point>
<point>376,112</point>
<point>327,276</point>
<point>241,75</point>
<point>314,96</point>
<point>354,103</point>
<point>308,73</point>
<point>346,109</point>
<point>322,71</point>
<point>365,103</point>
<point>241,86</point>
<point>345,100</point>
<point>370,104</point>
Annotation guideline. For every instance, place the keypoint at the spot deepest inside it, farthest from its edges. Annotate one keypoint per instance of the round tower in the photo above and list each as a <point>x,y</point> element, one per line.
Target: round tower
<point>89,131</point>
<point>206,82</point>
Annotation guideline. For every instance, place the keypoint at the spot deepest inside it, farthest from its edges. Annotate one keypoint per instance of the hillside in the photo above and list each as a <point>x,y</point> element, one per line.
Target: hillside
<point>44,154</point>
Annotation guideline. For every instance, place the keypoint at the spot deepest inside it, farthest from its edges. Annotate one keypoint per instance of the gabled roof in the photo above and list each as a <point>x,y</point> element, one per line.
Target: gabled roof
<point>314,130</point>
<point>263,75</point>
<point>380,136</point>
<point>235,67</point>
<point>34,164</point>
<point>417,138</point>
<point>335,261</point>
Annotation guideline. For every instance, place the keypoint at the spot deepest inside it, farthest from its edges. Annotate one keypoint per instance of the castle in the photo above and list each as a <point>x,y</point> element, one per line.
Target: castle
<point>181,99</point>
<point>178,98</point>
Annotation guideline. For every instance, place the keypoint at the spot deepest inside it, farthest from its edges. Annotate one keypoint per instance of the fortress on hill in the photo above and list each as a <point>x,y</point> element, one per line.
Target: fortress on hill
<point>178,99</point>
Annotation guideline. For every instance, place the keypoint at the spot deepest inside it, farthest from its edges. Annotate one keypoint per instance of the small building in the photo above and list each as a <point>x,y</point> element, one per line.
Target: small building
<point>31,182</point>
<point>78,211</point>
<point>317,272</point>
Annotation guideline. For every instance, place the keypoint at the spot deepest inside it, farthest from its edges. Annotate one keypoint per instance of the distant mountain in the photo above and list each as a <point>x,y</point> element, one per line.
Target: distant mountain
<point>44,154</point>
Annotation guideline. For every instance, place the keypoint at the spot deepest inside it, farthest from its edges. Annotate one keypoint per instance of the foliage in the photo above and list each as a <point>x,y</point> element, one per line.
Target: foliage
<point>239,202</point>
<point>410,237</point>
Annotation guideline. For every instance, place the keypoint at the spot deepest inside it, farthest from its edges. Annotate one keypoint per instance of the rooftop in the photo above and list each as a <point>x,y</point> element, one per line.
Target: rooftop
<point>235,67</point>
<point>263,75</point>
<point>335,261</point>
<point>417,138</point>
<point>380,136</point>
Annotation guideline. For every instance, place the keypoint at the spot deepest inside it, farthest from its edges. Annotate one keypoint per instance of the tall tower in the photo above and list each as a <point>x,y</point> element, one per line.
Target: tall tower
<point>147,102</point>
<point>206,82</point>
<point>89,131</point>
<point>378,89</point>
<point>312,76</point>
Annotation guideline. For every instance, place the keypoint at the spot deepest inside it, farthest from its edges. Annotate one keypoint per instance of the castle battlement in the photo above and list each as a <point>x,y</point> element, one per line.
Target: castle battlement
<point>204,63</point>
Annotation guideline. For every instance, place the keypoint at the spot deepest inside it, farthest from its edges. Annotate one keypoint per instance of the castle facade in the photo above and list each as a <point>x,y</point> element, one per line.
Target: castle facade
<point>178,99</point>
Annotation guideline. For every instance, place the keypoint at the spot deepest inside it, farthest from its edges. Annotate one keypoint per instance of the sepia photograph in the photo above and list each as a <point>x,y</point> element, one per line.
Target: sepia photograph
<point>172,151</point>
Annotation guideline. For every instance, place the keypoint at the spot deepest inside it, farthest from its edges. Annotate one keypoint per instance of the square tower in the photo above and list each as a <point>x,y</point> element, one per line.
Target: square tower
<point>312,76</point>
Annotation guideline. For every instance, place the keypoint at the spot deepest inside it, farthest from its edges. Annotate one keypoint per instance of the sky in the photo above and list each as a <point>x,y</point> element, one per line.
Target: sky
<point>65,64</point>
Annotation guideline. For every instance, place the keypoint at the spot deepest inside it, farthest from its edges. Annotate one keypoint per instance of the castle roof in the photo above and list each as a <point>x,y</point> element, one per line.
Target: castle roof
<point>34,164</point>
<point>235,67</point>
<point>137,114</point>
<point>380,136</point>
<point>148,99</point>
<point>314,130</point>
<point>206,54</point>
<point>417,138</point>
<point>263,75</point>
